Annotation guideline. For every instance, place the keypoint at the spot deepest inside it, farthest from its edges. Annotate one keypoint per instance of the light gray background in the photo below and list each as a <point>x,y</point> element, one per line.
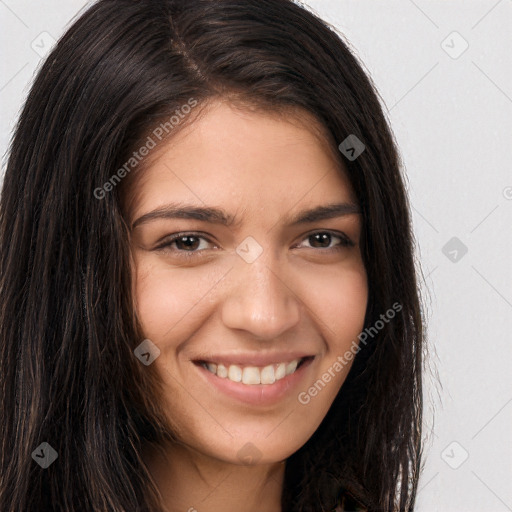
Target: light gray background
<point>451,111</point>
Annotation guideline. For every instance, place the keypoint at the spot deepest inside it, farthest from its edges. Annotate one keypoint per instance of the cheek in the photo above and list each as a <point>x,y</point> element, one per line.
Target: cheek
<point>339,298</point>
<point>165,297</point>
<point>340,301</point>
<point>346,311</point>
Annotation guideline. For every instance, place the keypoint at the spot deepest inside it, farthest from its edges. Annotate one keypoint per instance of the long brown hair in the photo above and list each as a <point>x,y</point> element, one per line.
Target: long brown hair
<point>68,375</point>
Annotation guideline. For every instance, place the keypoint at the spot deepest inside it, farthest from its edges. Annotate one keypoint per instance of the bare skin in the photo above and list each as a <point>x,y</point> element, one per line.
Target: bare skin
<point>205,483</point>
<point>291,290</point>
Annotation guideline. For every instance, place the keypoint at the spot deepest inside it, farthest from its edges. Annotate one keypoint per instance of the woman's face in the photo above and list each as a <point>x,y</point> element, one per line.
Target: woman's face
<point>253,298</point>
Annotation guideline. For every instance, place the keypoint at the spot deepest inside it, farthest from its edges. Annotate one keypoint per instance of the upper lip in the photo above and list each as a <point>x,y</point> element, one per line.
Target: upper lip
<point>252,359</point>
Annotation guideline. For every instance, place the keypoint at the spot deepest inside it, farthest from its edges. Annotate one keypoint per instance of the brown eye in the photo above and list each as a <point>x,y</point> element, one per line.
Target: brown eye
<point>187,244</point>
<point>323,240</point>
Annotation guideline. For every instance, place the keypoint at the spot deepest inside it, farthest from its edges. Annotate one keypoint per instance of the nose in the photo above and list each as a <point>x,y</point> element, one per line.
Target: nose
<point>260,299</point>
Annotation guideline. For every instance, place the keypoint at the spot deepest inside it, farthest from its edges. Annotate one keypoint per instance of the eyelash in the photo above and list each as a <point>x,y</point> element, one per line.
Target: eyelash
<point>345,242</point>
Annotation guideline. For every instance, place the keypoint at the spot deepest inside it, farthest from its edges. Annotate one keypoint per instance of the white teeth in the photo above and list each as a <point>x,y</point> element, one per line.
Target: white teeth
<point>235,373</point>
<point>291,367</point>
<point>222,371</point>
<point>280,371</point>
<point>252,375</point>
<point>268,375</point>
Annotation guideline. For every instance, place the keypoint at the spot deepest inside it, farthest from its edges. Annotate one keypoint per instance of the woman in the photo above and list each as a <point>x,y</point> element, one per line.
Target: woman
<point>174,333</point>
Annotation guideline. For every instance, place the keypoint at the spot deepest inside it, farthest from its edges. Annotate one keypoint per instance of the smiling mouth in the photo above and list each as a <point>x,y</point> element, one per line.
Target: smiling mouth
<point>254,375</point>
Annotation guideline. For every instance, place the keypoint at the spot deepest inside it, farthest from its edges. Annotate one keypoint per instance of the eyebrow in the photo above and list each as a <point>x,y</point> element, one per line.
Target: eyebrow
<point>218,216</point>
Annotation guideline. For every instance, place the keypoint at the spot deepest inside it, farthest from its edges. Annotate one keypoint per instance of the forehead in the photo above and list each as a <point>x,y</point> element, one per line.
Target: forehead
<point>261,160</point>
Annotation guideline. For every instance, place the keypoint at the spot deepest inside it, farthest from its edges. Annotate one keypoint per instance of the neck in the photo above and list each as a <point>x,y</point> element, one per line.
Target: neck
<point>190,481</point>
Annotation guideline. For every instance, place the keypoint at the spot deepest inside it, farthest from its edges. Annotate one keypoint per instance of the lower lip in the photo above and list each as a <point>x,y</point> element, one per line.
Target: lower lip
<point>257,394</point>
